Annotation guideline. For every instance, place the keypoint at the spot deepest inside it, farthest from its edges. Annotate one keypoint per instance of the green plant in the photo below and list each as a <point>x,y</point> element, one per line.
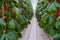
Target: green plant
<point>48,15</point>
<point>12,19</point>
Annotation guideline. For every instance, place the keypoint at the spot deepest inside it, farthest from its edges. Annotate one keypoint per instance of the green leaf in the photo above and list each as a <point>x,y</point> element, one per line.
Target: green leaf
<point>41,24</point>
<point>25,19</point>
<point>1,2</point>
<point>57,24</point>
<point>19,35</point>
<point>56,37</point>
<point>52,7</point>
<point>2,22</point>
<point>18,27</point>
<point>12,35</point>
<point>10,4</point>
<point>51,20</point>
<point>20,19</point>
<point>57,4</point>
<point>45,17</point>
<point>8,14</point>
<point>58,18</point>
<point>16,11</point>
<point>46,28</point>
<point>52,31</point>
<point>5,37</point>
<point>46,1</point>
<point>2,38</point>
<point>16,0</point>
<point>11,24</point>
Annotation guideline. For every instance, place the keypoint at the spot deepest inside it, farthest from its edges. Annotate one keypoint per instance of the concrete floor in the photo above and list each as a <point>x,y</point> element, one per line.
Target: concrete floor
<point>34,32</point>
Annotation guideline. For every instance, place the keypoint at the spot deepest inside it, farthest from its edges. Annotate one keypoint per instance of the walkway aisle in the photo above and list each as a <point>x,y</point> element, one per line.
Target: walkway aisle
<point>34,32</point>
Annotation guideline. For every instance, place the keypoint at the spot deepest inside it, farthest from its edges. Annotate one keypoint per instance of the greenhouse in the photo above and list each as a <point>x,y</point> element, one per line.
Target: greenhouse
<point>29,19</point>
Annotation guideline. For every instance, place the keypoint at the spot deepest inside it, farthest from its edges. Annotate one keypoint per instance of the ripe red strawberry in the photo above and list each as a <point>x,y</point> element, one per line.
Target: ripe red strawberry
<point>58,12</point>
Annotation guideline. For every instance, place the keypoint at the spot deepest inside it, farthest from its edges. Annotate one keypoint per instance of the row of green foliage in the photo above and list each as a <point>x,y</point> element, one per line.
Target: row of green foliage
<point>14,17</point>
<point>26,8</point>
<point>48,15</point>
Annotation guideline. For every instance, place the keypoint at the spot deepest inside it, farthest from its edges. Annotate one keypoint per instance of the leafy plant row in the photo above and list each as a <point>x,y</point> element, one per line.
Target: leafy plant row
<point>26,8</point>
<point>14,17</point>
<point>48,15</point>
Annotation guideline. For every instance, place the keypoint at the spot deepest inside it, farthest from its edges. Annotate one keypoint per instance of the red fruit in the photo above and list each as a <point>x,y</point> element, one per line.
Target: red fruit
<point>58,12</point>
